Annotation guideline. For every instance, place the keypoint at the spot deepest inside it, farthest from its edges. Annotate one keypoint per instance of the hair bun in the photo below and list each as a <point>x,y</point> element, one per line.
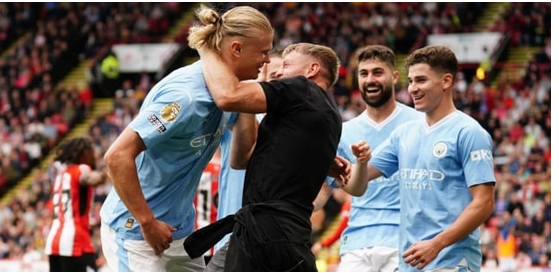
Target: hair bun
<point>218,20</point>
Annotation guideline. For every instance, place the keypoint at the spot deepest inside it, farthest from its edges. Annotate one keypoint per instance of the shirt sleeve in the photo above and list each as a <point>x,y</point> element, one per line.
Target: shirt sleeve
<point>385,156</point>
<point>477,156</point>
<point>284,94</point>
<point>161,118</point>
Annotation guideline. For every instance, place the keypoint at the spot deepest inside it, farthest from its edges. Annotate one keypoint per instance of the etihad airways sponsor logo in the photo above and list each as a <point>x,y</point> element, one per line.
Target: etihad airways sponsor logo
<point>422,174</point>
<point>418,186</point>
<point>420,179</point>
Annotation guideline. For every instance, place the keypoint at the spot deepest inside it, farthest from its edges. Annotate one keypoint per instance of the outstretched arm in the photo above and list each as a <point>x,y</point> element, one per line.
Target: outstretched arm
<point>227,91</point>
<point>362,172</point>
<point>93,178</point>
<point>245,133</point>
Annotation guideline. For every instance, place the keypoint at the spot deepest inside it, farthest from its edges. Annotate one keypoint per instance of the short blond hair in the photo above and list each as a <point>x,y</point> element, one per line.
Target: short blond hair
<point>325,55</point>
<point>241,21</point>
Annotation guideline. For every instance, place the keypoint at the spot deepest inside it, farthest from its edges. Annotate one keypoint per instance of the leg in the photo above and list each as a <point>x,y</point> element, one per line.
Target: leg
<point>237,258</point>
<point>217,263</point>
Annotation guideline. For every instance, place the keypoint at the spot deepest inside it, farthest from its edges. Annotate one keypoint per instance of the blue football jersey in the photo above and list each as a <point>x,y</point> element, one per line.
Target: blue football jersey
<point>375,216</point>
<point>181,128</point>
<point>437,164</point>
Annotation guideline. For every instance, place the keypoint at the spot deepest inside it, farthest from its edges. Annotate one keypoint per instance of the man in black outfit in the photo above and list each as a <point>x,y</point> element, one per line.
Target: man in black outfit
<point>288,162</point>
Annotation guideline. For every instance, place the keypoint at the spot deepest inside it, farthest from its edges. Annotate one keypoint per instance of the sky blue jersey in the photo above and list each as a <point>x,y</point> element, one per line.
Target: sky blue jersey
<point>437,164</point>
<point>374,217</point>
<point>181,127</point>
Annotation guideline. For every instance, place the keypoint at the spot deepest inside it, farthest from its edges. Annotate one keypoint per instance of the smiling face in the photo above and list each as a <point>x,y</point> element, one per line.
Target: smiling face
<point>295,64</point>
<point>426,87</point>
<point>251,54</point>
<point>376,81</point>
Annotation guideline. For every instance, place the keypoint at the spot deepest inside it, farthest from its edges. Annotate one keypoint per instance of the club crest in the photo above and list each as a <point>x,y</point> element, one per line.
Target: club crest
<point>440,149</point>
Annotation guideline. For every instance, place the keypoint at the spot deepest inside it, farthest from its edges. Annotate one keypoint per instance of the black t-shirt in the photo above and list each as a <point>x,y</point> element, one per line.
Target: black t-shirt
<point>297,142</point>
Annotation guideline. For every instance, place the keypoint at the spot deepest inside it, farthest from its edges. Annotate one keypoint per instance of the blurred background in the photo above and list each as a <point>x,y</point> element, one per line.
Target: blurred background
<point>74,69</point>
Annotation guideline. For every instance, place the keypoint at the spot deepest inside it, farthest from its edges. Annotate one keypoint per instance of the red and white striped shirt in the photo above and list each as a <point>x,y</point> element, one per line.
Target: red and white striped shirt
<point>206,199</point>
<point>69,235</point>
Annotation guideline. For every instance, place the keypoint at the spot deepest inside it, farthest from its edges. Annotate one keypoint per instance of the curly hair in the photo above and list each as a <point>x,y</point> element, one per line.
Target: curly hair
<point>71,150</point>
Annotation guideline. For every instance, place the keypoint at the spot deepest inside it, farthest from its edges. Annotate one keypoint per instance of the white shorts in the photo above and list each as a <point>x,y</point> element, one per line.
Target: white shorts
<point>462,267</point>
<point>136,255</point>
<point>374,259</point>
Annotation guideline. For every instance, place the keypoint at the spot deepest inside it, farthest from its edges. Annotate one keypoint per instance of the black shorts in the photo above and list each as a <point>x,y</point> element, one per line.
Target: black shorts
<point>72,264</point>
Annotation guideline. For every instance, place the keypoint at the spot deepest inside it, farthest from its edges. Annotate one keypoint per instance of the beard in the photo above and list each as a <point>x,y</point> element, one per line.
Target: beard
<point>386,93</point>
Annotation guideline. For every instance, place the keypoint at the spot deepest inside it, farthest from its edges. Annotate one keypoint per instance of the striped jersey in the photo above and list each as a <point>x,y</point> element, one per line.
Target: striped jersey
<point>69,235</point>
<point>206,199</point>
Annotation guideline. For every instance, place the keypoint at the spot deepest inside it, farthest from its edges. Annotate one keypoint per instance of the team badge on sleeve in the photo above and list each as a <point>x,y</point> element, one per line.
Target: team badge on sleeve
<point>170,111</point>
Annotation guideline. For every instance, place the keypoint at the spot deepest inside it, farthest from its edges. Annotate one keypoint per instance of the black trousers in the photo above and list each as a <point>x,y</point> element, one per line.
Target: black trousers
<point>266,241</point>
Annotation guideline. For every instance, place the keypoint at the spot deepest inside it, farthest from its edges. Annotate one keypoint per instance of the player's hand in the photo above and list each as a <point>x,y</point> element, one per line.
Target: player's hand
<point>421,253</point>
<point>158,235</point>
<point>340,170</point>
<point>263,72</point>
<point>362,151</point>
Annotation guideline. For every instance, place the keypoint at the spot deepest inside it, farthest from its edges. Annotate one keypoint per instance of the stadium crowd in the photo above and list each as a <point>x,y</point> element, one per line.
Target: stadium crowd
<point>36,112</point>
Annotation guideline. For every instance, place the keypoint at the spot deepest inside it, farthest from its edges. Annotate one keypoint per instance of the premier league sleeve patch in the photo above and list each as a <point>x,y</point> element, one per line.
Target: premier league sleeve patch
<point>170,111</point>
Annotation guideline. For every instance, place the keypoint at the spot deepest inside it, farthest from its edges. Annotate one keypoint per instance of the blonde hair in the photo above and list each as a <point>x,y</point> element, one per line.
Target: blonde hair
<point>241,21</point>
<point>325,55</point>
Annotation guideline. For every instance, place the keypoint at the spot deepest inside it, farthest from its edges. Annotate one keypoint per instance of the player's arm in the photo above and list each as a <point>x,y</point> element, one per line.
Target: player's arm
<point>476,213</point>
<point>322,197</point>
<point>361,172</point>
<point>245,133</point>
<point>337,233</point>
<point>227,91</point>
<point>243,140</point>
<point>93,178</point>
<point>120,159</point>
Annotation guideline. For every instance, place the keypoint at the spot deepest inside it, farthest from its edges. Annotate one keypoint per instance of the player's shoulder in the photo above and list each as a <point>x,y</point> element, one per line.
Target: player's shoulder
<point>184,86</point>
<point>410,112</point>
<point>466,121</point>
<point>186,77</point>
<point>355,121</point>
<point>299,83</point>
<point>467,125</point>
